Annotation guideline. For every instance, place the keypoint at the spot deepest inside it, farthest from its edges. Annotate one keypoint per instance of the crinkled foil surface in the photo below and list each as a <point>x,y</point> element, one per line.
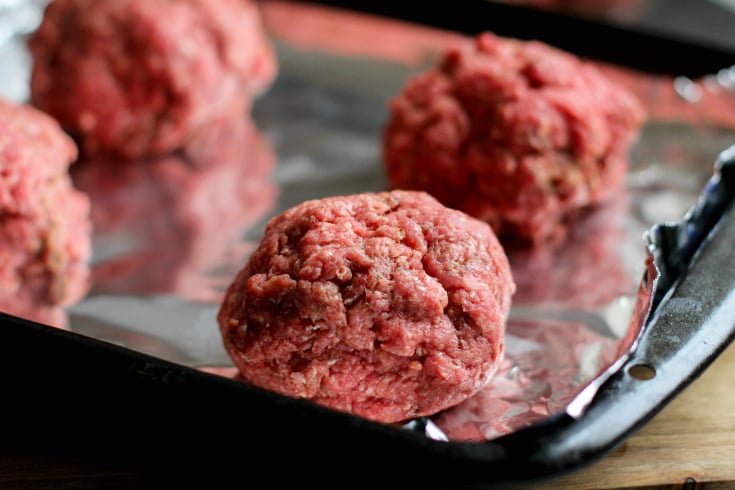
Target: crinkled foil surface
<point>163,258</point>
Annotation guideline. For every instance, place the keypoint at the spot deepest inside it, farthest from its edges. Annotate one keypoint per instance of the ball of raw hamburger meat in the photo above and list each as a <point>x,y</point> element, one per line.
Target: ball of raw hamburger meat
<point>137,77</point>
<point>516,133</point>
<point>45,224</point>
<point>388,306</point>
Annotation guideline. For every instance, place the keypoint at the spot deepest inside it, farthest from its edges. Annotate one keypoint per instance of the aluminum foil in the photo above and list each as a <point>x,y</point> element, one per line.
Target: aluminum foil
<point>161,266</point>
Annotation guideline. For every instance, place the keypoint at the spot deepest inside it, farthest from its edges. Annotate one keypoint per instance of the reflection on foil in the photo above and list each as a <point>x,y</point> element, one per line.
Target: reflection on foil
<point>173,224</point>
<point>639,317</point>
<point>569,319</point>
<point>546,363</point>
<point>573,271</point>
<point>168,327</point>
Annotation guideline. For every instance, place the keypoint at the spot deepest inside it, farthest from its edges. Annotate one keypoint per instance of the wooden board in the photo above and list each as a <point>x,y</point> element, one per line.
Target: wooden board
<point>690,442</point>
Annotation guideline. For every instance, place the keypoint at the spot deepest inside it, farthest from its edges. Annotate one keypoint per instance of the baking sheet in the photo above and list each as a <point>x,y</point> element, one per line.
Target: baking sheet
<point>319,126</point>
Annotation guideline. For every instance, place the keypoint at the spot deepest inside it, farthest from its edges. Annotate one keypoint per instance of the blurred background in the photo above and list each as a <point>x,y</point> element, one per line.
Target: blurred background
<point>708,21</point>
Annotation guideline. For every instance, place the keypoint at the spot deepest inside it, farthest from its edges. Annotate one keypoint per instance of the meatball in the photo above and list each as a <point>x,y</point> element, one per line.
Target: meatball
<point>516,133</point>
<point>385,305</point>
<point>45,224</point>
<point>137,77</point>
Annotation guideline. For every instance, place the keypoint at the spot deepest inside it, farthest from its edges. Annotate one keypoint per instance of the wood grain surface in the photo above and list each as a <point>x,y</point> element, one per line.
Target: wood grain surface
<point>689,444</point>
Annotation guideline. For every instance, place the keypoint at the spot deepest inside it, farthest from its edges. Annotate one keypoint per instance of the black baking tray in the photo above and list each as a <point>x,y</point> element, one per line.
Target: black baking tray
<point>68,393</point>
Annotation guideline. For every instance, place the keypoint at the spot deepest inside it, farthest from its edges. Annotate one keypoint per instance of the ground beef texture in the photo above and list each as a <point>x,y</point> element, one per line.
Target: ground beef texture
<point>516,133</point>
<point>385,305</point>
<point>137,77</point>
<point>45,225</point>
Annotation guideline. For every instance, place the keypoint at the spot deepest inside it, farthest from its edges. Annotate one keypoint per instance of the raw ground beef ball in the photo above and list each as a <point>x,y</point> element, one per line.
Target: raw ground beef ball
<point>515,133</point>
<point>44,221</point>
<point>135,77</point>
<point>387,305</point>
